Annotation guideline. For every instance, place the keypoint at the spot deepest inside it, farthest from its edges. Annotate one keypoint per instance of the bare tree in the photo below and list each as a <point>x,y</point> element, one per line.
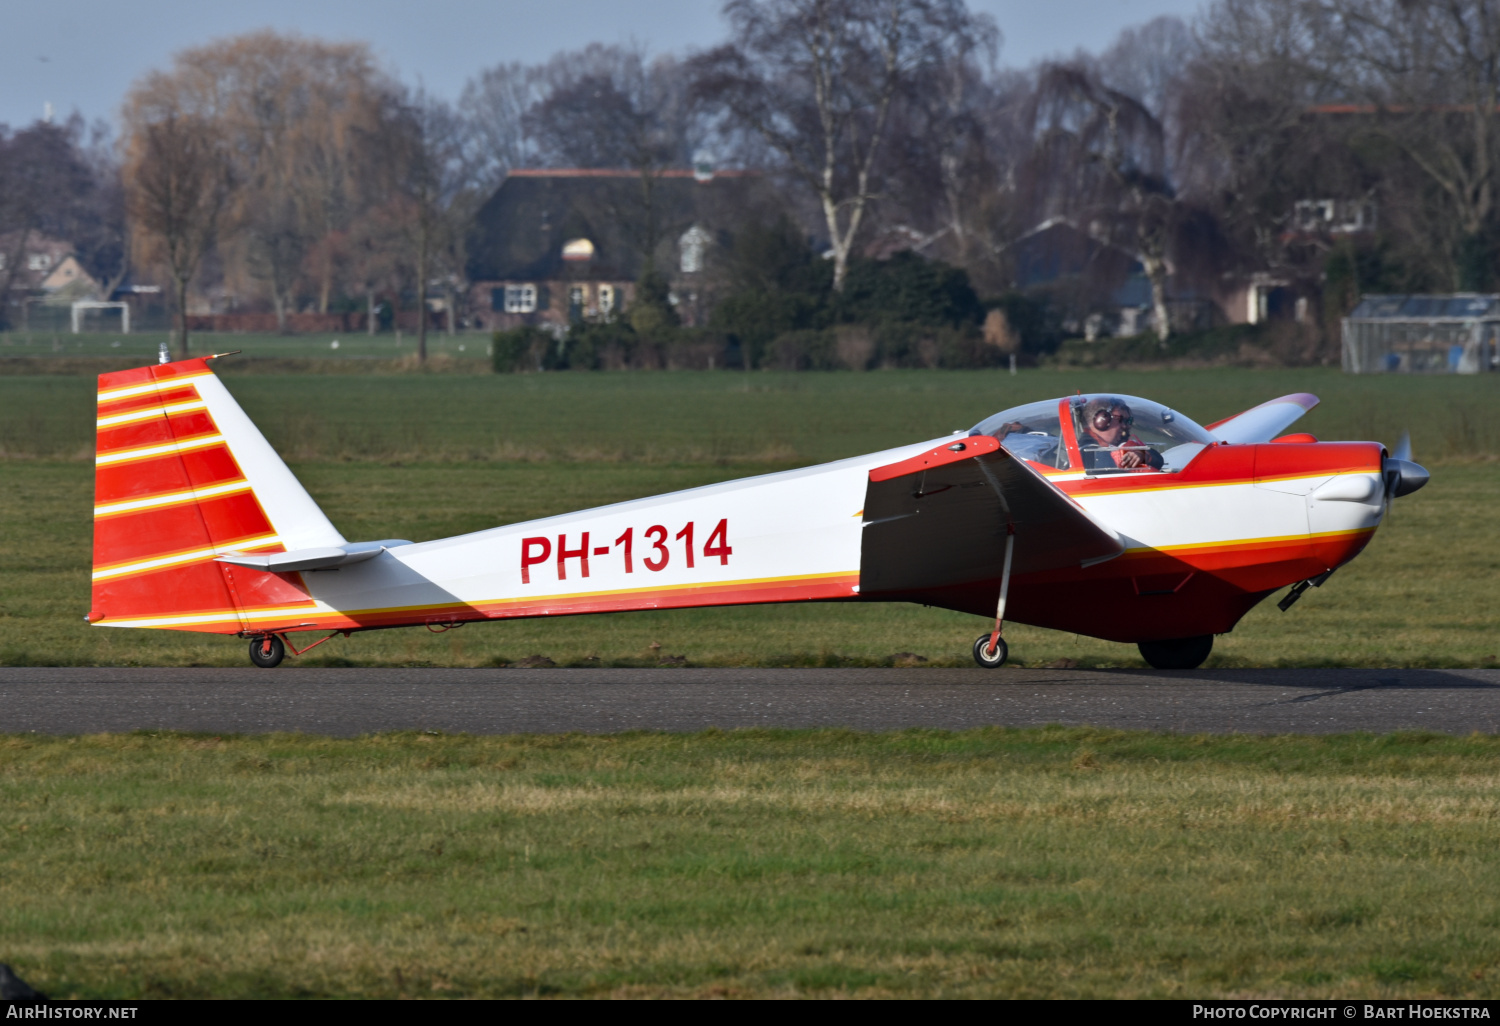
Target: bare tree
<point>53,184</point>
<point>942,157</point>
<point>101,236</point>
<point>178,187</point>
<point>433,195</point>
<point>494,107</point>
<point>817,80</point>
<point>1148,61</point>
<point>1247,148</point>
<point>292,113</point>
<point>1107,161</point>
<point>1414,78</point>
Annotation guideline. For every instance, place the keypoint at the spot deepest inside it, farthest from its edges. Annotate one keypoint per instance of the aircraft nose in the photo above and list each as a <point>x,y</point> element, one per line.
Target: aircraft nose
<point>1403,477</point>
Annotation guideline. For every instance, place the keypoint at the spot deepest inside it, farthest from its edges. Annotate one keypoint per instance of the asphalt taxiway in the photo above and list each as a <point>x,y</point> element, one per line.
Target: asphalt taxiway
<point>350,702</point>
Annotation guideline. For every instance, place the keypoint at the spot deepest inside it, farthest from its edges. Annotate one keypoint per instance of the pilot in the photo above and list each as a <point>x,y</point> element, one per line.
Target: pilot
<point>1107,422</point>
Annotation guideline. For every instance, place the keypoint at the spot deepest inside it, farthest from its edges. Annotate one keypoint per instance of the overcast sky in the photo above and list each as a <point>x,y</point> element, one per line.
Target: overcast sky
<point>84,54</point>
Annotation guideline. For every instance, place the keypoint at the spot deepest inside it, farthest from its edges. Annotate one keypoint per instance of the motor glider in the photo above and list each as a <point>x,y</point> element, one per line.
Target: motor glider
<point>1153,530</point>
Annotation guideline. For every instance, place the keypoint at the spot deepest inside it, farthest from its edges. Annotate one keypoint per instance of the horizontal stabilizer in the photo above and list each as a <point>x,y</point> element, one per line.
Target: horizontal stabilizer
<point>940,520</point>
<point>1264,422</point>
<point>327,558</point>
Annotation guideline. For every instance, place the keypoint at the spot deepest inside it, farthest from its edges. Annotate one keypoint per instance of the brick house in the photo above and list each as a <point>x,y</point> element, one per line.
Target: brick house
<point>555,246</point>
<point>28,260</point>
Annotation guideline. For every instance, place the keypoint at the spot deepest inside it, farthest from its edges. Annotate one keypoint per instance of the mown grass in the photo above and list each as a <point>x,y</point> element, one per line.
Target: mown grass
<point>1420,595</point>
<point>142,346</point>
<point>729,416</point>
<point>426,457</point>
<point>1019,863</point>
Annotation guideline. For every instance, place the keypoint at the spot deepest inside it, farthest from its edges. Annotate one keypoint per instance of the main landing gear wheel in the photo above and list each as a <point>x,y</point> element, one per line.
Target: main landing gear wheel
<point>267,652</point>
<point>989,658</point>
<point>1177,654</point>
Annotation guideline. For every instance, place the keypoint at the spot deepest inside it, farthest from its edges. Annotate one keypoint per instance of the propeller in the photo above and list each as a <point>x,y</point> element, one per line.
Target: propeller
<point>1402,476</point>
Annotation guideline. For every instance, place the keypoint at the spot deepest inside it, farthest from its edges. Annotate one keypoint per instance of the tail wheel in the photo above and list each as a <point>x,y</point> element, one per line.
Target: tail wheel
<point>267,651</point>
<point>1177,654</point>
<point>987,657</point>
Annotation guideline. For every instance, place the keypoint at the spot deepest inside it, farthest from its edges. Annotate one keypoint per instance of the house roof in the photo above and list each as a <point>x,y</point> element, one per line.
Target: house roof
<point>1457,307</point>
<point>25,276</point>
<point>1058,249</point>
<point>66,272</point>
<point>519,233</point>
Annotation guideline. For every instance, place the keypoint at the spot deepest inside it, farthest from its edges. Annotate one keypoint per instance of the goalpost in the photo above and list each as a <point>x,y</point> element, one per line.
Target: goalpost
<point>89,304</point>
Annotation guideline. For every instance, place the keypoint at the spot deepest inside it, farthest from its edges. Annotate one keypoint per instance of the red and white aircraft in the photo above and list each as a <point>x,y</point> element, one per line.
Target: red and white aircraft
<point>1109,516</point>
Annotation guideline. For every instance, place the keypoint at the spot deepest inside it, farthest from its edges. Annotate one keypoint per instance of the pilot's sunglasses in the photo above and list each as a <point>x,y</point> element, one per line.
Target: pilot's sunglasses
<point>1103,420</point>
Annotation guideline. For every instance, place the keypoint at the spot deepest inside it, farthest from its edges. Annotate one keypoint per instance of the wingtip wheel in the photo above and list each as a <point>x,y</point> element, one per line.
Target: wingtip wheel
<point>267,651</point>
<point>988,657</point>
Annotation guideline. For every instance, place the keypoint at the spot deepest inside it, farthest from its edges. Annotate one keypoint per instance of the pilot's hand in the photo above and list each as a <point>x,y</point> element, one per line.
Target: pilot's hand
<point>1130,458</point>
<point>1014,427</point>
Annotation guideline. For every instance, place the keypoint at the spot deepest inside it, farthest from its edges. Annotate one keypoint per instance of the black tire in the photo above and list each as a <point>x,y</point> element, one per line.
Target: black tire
<point>982,654</point>
<point>267,652</point>
<point>1177,654</point>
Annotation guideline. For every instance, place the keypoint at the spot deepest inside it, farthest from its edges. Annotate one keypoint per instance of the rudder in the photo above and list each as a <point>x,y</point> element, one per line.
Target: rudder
<point>181,476</point>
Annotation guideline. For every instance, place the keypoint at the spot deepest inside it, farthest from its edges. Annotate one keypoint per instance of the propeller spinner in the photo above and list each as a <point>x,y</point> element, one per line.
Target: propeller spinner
<point>1402,476</point>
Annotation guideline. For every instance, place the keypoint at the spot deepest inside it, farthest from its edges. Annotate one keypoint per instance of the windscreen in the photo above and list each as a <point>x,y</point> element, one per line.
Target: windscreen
<point>1111,426</point>
<point>1032,432</point>
<point>1162,438</point>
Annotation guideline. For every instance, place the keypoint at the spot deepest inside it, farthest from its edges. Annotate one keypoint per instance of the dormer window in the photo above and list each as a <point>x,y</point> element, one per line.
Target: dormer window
<point>578,250</point>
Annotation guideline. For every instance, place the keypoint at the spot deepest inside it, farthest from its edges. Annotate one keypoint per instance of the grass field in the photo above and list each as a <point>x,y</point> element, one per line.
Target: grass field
<point>426,456</point>
<point>992,863</point>
<point>710,417</point>
<point>142,347</point>
<point>1036,863</point>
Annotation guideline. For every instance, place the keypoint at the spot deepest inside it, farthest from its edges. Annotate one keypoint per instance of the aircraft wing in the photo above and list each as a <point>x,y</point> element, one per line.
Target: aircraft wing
<point>940,519</point>
<point>1264,422</point>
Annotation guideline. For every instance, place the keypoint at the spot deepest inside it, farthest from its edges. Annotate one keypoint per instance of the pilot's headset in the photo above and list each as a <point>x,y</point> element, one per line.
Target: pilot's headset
<point>1100,414</point>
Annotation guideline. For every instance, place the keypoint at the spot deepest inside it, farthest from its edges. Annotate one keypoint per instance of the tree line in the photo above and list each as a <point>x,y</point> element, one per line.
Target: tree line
<point>299,174</point>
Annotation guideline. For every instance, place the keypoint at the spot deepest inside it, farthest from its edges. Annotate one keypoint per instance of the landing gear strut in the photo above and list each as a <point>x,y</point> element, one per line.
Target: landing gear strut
<point>1177,654</point>
<point>267,651</point>
<point>990,650</point>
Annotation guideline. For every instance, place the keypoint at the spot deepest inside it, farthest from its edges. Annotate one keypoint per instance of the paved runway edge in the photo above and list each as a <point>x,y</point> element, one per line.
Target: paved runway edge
<point>350,702</point>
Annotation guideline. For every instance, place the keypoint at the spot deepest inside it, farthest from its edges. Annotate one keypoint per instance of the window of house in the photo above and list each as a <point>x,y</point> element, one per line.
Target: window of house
<point>606,299</point>
<point>578,295</point>
<point>693,246</point>
<point>39,261</point>
<point>520,298</point>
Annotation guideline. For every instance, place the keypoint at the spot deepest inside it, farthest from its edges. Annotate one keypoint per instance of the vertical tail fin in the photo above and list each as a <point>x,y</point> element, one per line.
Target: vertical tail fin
<point>181,476</point>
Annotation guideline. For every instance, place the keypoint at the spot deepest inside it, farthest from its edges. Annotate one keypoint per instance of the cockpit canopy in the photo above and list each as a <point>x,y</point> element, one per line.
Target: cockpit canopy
<point>1034,432</point>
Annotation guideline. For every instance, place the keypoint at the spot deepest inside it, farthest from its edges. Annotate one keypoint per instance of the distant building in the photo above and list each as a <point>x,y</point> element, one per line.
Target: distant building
<point>1106,291</point>
<point>551,247</point>
<point>29,260</point>
<point>68,281</point>
<point>1416,334</point>
<point>1334,217</point>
